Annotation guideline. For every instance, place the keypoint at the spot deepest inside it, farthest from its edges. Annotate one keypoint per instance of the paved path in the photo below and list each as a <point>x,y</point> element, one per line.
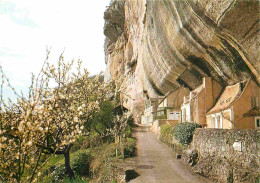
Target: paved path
<point>155,162</point>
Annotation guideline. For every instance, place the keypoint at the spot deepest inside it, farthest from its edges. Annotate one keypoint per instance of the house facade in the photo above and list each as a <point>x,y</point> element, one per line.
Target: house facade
<point>237,107</point>
<point>150,107</point>
<point>170,106</point>
<point>199,101</point>
<point>168,110</point>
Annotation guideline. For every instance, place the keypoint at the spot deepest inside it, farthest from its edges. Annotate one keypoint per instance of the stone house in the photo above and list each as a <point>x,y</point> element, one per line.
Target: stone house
<point>237,107</point>
<point>199,101</point>
<point>148,117</point>
<point>170,106</point>
<point>168,110</point>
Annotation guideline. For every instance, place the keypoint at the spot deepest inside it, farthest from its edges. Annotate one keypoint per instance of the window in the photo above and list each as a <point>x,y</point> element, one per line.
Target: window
<point>257,122</point>
<point>216,121</point>
<point>184,115</point>
<point>219,121</point>
<point>212,122</point>
<point>254,102</point>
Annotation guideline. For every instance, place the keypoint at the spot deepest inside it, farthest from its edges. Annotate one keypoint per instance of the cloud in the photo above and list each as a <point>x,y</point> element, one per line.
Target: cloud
<point>17,15</point>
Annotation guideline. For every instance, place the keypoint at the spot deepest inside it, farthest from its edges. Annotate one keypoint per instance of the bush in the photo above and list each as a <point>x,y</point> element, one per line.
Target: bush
<point>77,179</point>
<point>129,147</point>
<point>55,171</point>
<point>166,134</point>
<point>183,132</point>
<point>128,131</point>
<point>80,162</point>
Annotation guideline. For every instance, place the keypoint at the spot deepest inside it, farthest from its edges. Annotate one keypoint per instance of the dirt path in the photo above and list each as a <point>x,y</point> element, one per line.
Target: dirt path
<point>155,162</point>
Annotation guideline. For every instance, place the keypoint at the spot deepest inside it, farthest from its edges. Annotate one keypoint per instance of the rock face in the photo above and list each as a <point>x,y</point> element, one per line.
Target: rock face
<point>160,45</point>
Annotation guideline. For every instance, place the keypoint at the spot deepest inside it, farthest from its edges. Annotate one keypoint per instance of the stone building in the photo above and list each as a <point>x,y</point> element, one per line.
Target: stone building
<point>237,107</point>
<point>168,110</point>
<point>199,101</point>
<point>170,106</point>
<point>148,117</point>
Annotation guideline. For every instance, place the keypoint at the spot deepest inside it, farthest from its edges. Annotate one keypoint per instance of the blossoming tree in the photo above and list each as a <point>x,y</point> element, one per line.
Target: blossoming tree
<point>60,105</point>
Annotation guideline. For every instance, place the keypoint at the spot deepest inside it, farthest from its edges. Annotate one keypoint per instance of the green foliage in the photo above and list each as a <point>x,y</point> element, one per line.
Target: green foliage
<point>129,126</point>
<point>183,132</point>
<point>128,131</point>
<point>166,133</point>
<point>102,120</point>
<point>77,179</point>
<point>79,143</point>
<point>55,171</point>
<point>80,162</point>
<point>129,147</point>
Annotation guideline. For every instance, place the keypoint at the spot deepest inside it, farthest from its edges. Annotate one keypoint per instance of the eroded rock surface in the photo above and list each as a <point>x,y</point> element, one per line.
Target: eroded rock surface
<point>159,45</point>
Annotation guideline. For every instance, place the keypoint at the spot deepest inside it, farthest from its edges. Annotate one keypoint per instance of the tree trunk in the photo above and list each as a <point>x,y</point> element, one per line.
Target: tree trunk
<point>68,169</point>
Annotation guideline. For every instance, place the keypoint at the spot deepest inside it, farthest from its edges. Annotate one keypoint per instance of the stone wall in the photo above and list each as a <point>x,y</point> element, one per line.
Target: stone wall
<point>225,155</point>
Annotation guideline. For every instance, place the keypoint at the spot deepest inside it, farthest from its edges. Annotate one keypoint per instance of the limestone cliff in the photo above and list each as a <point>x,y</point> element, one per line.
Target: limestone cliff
<point>159,45</point>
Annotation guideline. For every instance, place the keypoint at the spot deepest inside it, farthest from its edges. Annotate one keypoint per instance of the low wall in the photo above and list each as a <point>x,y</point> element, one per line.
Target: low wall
<point>226,155</point>
<point>155,128</point>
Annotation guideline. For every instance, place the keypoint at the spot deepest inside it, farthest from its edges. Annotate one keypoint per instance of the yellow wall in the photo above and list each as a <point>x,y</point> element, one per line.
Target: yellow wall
<point>205,100</point>
<point>202,108</point>
<point>243,105</point>
<point>175,99</point>
<point>208,122</point>
<point>159,122</point>
<point>226,120</point>
<point>216,88</point>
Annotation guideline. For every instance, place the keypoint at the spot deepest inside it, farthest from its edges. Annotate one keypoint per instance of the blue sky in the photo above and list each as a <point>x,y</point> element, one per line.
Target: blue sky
<point>28,27</point>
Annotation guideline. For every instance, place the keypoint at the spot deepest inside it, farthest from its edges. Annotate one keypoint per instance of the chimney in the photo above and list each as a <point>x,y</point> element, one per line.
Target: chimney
<point>209,101</point>
<point>191,95</point>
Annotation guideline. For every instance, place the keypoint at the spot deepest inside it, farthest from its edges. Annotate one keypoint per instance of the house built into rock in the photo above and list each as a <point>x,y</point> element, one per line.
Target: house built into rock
<point>210,105</point>
<point>199,101</point>
<point>167,109</point>
<point>237,107</point>
<point>150,107</point>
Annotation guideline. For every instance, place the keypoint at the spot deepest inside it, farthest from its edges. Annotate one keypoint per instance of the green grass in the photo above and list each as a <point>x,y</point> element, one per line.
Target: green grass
<point>54,170</point>
<point>77,179</point>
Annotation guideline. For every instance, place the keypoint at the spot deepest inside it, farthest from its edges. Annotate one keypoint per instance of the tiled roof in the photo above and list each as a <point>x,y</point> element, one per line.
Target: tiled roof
<point>230,94</point>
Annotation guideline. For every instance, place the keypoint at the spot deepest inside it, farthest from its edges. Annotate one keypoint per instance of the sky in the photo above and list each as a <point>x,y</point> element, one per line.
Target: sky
<point>28,27</point>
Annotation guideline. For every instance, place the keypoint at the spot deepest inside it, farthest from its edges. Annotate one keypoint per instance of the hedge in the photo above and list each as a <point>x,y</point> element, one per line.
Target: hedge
<point>183,132</point>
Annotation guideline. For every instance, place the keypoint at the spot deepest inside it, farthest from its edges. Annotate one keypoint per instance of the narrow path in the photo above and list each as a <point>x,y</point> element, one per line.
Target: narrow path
<point>155,162</point>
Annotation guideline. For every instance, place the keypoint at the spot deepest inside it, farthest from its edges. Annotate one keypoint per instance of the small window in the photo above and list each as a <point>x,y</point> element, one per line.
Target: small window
<point>213,122</point>
<point>254,101</point>
<point>257,122</point>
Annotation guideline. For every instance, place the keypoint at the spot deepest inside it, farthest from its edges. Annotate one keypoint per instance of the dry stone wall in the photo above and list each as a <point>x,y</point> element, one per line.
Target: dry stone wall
<point>226,155</point>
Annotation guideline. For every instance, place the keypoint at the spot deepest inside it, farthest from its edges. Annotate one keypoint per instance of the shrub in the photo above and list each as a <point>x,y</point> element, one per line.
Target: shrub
<point>80,162</point>
<point>128,131</point>
<point>129,147</point>
<point>183,132</point>
<point>166,133</point>
<point>77,179</point>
